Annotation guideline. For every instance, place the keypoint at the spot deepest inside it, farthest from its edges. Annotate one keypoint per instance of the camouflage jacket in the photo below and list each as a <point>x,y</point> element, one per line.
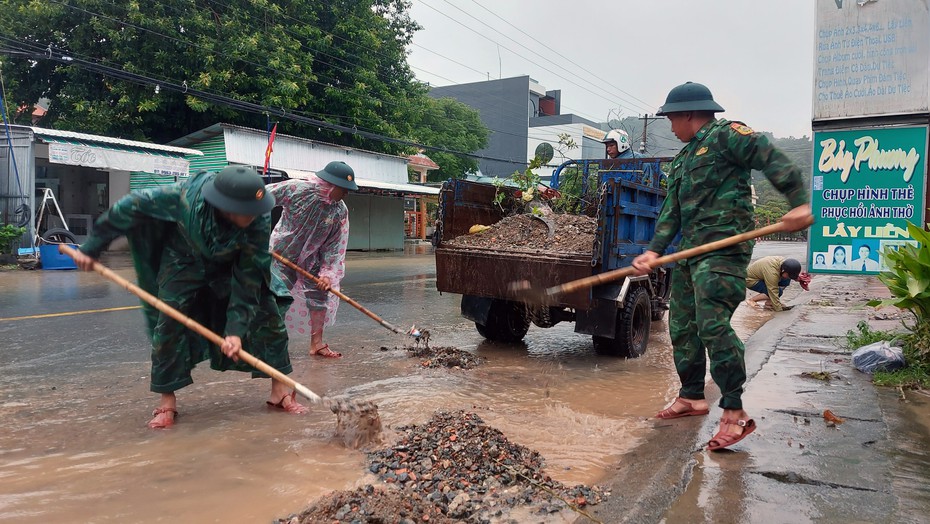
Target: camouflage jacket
<point>709,187</point>
<point>234,262</point>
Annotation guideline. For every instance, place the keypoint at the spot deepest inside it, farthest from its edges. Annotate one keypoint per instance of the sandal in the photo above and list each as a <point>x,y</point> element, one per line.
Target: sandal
<point>163,422</point>
<point>723,439</point>
<point>689,411</point>
<point>289,404</point>
<point>324,351</point>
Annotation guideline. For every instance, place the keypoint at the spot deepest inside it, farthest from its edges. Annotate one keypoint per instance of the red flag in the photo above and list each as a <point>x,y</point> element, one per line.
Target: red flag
<point>269,149</point>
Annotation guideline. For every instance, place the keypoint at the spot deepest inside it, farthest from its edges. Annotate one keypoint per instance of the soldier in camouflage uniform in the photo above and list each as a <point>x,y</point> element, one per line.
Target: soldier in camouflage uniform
<point>709,199</point>
<point>201,246</point>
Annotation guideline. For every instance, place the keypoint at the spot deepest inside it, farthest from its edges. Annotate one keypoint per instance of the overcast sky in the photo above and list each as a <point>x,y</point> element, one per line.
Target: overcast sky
<point>622,55</point>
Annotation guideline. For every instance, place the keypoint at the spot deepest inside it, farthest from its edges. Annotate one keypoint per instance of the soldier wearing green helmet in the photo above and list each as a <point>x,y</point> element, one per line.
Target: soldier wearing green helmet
<point>201,246</point>
<point>709,198</point>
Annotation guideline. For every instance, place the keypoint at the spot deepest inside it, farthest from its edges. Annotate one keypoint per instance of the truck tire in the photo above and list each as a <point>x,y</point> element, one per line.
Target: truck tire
<point>632,332</point>
<point>508,322</point>
<point>59,236</point>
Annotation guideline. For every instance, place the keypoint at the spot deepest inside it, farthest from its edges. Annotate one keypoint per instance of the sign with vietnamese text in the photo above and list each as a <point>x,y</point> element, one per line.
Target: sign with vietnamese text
<point>871,58</point>
<point>867,184</point>
<point>112,159</point>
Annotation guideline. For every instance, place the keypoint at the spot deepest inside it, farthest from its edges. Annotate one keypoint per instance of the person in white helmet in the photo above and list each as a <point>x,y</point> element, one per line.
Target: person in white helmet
<point>618,144</point>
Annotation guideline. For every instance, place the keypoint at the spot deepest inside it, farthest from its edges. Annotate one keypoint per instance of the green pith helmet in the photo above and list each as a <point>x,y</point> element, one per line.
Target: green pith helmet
<point>339,174</point>
<point>239,190</point>
<point>792,267</point>
<point>689,96</point>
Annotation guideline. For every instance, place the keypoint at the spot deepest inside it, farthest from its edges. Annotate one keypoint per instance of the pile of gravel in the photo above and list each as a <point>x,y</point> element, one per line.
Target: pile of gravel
<point>471,471</point>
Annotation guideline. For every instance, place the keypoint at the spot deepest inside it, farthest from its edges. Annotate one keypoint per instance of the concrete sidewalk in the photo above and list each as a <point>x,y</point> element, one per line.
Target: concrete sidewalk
<point>795,467</point>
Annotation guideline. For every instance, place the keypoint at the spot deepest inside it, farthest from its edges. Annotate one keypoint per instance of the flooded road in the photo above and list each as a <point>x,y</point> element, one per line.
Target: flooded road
<point>74,399</point>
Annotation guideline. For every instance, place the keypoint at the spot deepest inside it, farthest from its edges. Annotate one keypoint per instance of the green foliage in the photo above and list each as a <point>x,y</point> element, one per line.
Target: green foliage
<point>448,123</point>
<point>9,234</point>
<point>908,276</point>
<point>337,60</point>
<point>908,281</point>
<point>528,181</point>
<point>864,335</point>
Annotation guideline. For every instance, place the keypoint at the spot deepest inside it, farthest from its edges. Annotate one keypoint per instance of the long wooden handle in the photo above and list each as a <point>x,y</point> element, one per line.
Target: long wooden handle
<point>617,274</point>
<point>195,326</point>
<point>336,292</point>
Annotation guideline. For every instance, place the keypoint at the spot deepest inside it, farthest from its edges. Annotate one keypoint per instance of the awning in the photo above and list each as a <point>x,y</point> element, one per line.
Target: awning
<point>81,149</point>
<point>407,189</point>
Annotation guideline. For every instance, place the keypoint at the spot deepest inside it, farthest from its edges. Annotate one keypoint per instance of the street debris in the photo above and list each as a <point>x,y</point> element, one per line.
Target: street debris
<point>569,234</point>
<point>825,376</point>
<point>446,357</point>
<point>831,419</point>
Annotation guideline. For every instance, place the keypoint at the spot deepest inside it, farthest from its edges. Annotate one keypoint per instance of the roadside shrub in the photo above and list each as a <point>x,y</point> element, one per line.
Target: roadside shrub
<point>8,234</point>
<point>908,281</point>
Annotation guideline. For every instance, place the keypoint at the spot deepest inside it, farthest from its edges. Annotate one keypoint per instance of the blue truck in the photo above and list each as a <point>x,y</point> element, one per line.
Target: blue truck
<point>624,198</point>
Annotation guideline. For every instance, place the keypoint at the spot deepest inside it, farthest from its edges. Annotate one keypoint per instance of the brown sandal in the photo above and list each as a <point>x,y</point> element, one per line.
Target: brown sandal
<point>159,422</point>
<point>324,351</point>
<point>289,404</point>
<point>689,411</point>
<point>723,439</point>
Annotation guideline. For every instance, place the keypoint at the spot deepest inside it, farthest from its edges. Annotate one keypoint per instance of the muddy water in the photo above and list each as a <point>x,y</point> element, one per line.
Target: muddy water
<point>74,446</point>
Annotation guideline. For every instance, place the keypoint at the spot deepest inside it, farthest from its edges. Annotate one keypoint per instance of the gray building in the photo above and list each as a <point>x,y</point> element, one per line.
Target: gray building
<point>518,112</point>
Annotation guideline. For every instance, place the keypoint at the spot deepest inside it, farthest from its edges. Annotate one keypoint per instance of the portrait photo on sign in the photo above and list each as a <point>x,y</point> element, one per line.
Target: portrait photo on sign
<point>866,255</point>
<point>839,256</point>
<point>820,259</point>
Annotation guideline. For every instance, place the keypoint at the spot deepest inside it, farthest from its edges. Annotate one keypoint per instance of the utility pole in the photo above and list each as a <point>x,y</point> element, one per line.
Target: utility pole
<point>645,119</point>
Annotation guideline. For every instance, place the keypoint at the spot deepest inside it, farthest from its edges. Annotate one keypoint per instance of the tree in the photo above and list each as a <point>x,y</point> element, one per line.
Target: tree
<point>338,61</point>
<point>450,124</point>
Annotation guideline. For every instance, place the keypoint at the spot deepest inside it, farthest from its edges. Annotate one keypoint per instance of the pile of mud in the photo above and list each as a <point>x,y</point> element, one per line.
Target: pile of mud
<point>454,468</point>
<point>444,357</point>
<point>525,232</point>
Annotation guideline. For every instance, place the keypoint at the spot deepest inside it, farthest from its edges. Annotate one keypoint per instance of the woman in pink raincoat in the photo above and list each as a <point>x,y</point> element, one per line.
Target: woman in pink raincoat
<point>313,233</point>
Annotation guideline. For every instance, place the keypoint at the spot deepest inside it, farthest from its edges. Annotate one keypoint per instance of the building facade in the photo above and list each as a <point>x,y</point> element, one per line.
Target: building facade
<point>376,211</point>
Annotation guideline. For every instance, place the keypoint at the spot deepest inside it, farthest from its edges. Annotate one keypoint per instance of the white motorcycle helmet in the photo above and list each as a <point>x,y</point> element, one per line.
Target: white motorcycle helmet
<point>620,137</point>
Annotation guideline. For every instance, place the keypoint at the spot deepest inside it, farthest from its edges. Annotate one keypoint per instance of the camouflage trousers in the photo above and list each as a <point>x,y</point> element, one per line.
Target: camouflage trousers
<point>188,285</point>
<point>705,293</point>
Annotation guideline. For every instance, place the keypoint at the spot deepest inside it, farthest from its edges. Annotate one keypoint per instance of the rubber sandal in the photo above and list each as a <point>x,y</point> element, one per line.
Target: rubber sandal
<point>689,411</point>
<point>159,422</point>
<point>324,351</point>
<point>289,404</point>
<point>723,439</point>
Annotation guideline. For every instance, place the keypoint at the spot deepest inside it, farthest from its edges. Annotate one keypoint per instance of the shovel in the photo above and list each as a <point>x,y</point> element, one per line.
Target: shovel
<point>413,331</point>
<point>524,292</point>
<point>365,410</point>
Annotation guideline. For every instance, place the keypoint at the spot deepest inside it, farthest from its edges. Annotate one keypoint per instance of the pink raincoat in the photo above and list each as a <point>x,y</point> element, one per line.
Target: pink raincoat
<point>313,233</point>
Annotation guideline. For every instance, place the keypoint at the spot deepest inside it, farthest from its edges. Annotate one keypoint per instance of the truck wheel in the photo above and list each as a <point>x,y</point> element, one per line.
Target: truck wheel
<point>507,322</point>
<point>632,332</point>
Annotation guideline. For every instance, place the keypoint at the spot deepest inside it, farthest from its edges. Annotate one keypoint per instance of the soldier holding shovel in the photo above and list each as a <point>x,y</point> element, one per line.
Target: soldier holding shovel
<point>201,246</point>
<point>709,199</point>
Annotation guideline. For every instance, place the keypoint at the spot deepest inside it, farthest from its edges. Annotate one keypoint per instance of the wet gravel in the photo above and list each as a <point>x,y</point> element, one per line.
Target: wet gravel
<point>454,468</point>
<point>524,232</point>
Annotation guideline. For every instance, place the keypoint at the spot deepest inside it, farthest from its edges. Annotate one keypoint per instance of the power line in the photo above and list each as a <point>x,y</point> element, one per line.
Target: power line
<point>585,71</point>
<point>512,51</point>
<point>38,54</point>
<point>271,69</point>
